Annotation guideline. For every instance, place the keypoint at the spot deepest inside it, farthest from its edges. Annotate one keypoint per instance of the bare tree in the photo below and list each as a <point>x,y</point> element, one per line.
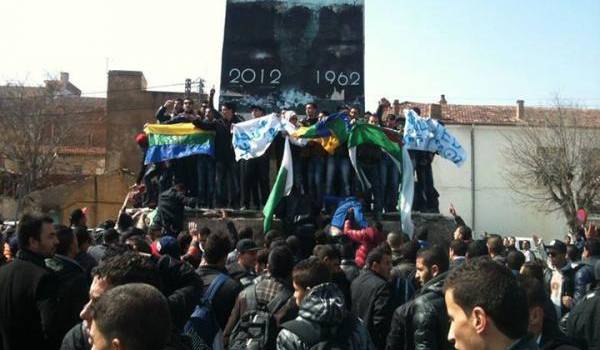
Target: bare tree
<point>35,122</point>
<point>553,161</point>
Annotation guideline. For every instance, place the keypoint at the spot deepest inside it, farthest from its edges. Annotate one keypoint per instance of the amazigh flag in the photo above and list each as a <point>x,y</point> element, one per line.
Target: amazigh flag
<point>282,187</point>
<point>329,132</point>
<point>177,141</point>
<point>390,142</point>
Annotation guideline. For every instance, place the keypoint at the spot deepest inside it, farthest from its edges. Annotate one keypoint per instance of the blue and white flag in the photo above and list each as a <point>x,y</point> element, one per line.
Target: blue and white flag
<point>426,134</point>
<point>252,137</point>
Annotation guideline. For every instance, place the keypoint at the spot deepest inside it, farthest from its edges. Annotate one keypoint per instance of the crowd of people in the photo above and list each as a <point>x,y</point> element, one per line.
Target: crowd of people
<point>219,181</point>
<point>150,280</point>
<point>130,286</point>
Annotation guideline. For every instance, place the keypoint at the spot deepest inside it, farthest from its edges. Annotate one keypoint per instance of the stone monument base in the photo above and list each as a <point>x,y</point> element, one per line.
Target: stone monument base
<point>439,227</point>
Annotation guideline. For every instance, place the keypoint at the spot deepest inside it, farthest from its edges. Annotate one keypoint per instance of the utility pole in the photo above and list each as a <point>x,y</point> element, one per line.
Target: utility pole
<point>188,88</point>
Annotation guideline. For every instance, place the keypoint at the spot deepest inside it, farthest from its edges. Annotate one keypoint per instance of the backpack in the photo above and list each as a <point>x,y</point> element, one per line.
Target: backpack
<point>257,328</point>
<point>202,326</point>
<point>324,338</point>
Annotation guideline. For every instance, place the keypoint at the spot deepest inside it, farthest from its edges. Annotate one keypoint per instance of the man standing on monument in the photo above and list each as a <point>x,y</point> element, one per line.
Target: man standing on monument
<point>255,173</point>
<point>227,172</point>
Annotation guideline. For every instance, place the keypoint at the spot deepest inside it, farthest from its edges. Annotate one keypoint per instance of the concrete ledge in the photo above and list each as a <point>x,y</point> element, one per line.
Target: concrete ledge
<point>439,227</point>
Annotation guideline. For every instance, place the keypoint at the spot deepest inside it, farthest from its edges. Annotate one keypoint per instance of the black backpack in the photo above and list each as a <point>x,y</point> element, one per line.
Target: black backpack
<point>202,326</point>
<point>323,338</point>
<point>257,328</point>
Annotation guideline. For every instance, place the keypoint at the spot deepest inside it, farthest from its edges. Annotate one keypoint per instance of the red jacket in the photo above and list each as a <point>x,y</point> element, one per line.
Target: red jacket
<point>368,238</point>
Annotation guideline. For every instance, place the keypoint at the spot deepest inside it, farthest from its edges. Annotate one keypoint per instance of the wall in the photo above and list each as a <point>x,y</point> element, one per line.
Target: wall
<point>103,196</point>
<point>489,205</point>
<point>129,106</point>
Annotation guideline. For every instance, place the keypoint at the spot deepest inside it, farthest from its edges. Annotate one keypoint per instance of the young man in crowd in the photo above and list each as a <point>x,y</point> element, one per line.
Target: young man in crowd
<point>275,285</point>
<point>84,241</point>
<point>543,328</point>
<point>457,253</point>
<point>125,318</point>
<point>243,269</point>
<point>559,278</point>
<point>423,322</point>
<point>323,316</point>
<point>369,158</point>
<point>313,158</point>
<point>372,296</point>
<point>496,249</point>
<point>330,256</point>
<point>176,280</point>
<point>487,308</point>
<point>227,171</point>
<point>255,173</point>
<point>73,281</point>
<point>170,210</point>
<point>170,109</point>
<point>583,324</point>
<point>213,264</point>
<point>584,277</point>
<point>28,290</point>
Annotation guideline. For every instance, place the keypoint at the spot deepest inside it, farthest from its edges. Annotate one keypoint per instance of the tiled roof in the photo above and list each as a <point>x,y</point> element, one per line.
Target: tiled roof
<point>502,115</point>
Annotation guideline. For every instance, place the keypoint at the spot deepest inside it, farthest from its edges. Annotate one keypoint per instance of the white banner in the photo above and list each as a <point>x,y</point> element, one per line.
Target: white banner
<point>427,134</point>
<point>252,137</point>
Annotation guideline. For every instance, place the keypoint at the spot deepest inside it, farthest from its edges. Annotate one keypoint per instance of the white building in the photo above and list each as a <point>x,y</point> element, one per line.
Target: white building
<point>479,189</point>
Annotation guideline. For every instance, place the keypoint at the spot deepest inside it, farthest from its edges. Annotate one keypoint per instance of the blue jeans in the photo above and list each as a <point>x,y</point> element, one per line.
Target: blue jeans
<point>372,173</point>
<point>206,180</point>
<point>390,180</point>
<point>228,184</point>
<point>315,179</point>
<point>338,166</point>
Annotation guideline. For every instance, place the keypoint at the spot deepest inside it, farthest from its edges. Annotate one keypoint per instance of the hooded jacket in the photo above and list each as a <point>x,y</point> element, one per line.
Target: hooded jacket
<point>323,308</point>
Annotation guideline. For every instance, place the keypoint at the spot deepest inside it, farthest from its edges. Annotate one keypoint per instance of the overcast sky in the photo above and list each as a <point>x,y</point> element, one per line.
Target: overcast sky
<point>475,52</point>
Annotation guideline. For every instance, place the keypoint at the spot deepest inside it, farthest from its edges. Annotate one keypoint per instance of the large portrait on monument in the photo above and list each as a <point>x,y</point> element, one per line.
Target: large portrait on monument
<point>284,54</point>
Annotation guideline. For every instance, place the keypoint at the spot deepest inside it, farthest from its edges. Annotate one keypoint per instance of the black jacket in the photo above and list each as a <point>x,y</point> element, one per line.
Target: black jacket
<point>568,283</point>
<point>223,146</point>
<point>372,303</point>
<point>73,290</point>
<point>170,211</point>
<point>28,304</point>
<point>423,322</point>
<point>583,323</point>
<point>350,269</point>
<point>323,310</point>
<point>226,296</point>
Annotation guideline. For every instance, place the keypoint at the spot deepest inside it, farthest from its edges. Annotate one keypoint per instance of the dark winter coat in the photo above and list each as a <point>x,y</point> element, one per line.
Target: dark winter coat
<point>28,304</point>
<point>323,309</point>
<point>171,205</point>
<point>372,303</point>
<point>423,322</point>
<point>583,323</point>
<point>73,290</point>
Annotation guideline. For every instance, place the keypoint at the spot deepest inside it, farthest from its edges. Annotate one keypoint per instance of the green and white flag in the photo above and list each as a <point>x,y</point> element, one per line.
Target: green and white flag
<point>282,187</point>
